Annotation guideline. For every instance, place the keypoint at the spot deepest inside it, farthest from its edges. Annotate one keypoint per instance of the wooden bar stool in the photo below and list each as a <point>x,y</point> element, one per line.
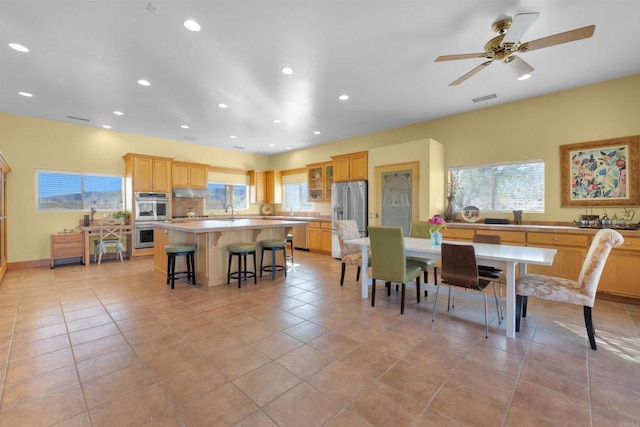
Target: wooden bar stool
<point>242,250</point>
<point>290,242</point>
<point>274,246</point>
<point>173,251</point>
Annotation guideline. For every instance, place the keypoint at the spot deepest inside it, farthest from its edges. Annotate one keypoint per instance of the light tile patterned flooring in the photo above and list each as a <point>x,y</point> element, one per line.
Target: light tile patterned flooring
<point>112,345</point>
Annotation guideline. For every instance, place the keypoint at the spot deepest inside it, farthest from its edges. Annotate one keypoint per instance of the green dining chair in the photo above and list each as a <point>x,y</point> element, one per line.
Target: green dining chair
<point>420,230</point>
<point>389,263</point>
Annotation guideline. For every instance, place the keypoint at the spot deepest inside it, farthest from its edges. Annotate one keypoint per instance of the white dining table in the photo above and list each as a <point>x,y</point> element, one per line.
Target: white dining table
<point>505,257</point>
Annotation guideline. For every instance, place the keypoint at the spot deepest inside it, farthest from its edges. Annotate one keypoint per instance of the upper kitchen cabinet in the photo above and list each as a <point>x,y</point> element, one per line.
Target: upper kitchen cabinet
<point>351,167</point>
<point>147,173</point>
<point>319,180</point>
<point>265,187</point>
<point>188,175</point>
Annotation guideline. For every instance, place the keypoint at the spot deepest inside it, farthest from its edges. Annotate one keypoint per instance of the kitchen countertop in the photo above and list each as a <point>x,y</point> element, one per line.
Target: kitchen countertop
<point>570,229</point>
<point>204,225</point>
<point>270,218</point>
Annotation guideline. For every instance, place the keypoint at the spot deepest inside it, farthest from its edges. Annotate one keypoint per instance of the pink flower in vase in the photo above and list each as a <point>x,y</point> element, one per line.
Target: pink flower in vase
<point>437,224</point>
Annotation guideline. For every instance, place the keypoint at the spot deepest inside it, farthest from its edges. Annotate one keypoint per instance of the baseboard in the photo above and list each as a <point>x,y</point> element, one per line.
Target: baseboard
<point>617,298</point>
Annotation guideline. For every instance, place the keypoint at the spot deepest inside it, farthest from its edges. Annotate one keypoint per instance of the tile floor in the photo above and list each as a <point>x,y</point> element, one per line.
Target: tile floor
<point>112,345</point>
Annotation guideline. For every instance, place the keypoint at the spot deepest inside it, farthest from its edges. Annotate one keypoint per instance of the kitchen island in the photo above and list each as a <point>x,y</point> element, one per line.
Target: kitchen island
<point>212,238</point>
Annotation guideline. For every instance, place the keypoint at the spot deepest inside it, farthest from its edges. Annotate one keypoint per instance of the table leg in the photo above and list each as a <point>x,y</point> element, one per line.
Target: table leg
<point>364,272</point>
<point>85,257</point>
<point>510,302</point>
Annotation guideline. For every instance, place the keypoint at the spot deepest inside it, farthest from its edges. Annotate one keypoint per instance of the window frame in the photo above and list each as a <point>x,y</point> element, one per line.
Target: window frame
<point>454,186</point>
<point>229,196</point>
<point>305,204</point>
<point>85,204</point>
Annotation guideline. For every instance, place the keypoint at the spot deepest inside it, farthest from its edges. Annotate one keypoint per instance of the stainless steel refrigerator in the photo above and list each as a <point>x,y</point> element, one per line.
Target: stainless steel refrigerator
<point>349,200</point>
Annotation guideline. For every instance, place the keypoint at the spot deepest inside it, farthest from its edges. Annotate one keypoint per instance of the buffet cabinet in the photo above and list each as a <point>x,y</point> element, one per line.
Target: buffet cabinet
<point>66,245</point>
<point>620,274</point>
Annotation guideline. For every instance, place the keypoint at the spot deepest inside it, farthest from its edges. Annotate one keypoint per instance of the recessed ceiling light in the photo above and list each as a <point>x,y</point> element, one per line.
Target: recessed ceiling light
<point>143,82</point>
<point>18,47</point>
<point>118,113</point>
<point>26,94</point>
<point>106,126</point>
<point>288,148</point>
<point>343,97</point>
<point>272,145</point>
<point>288,71</point>
<point>316,132</point>
<point>184,126</point>
<point>277,121</point>
<point>191,25</point>
<point>232,136</point>
<point>221,105</point>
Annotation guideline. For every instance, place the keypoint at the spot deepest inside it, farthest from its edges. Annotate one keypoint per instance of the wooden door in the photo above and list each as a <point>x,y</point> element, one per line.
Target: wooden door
<point>397,195</point>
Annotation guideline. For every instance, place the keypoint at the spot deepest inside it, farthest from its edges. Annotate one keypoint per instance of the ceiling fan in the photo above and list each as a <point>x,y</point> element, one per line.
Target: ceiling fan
<point>507,43</point>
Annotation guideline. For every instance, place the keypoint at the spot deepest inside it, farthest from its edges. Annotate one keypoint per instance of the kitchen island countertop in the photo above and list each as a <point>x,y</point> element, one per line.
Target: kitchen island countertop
<point>239,224</point>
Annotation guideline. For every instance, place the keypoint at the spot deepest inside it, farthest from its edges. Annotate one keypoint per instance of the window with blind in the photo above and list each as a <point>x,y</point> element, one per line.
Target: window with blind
<point>221,195</point>
<point>65,191</point>
<point>295,197</point>
<point>500,187</point>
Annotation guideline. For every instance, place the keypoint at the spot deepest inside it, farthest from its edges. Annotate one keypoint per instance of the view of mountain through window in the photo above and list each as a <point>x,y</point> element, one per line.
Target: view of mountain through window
<point>62,191</point>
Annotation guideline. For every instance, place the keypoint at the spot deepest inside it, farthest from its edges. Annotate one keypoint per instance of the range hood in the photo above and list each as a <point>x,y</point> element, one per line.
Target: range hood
<point>194,193</point>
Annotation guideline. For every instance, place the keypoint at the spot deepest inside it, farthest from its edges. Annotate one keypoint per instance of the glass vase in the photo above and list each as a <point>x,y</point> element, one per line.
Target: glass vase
<point>436,238</point>
<point>450,212</point>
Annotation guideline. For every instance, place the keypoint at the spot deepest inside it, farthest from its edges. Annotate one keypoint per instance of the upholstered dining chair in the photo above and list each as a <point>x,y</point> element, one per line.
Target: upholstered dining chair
<point>110,237</point>
<point>420,230</point>
<point>486,271</point>
<point>459,268</point>
<point>579,292</point>
<point>349,254</point>
<point>389,263</point>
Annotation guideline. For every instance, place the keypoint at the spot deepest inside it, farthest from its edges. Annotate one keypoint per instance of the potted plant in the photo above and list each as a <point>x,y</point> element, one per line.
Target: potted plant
<point>122,215</point>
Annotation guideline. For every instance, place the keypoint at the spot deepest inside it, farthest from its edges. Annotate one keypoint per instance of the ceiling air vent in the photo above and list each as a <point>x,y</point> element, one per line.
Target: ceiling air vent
<point>238,147</point>
<point>485,98</point>
<point>190,138</point>
<point>78,118</point>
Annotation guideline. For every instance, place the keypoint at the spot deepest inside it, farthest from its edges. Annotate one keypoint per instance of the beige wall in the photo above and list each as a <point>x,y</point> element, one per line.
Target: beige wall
<point>529,129</point>
<point>31,144</point>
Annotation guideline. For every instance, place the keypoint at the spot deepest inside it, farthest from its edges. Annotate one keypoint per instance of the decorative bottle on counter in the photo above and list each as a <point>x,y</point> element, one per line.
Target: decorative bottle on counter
<point>450,212</point>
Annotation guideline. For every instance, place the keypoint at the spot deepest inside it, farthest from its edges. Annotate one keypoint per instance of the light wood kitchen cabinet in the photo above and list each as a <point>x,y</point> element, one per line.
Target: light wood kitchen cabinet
<point>265,187</point>
<point>351,167</point>
<point>300,238</point>
<point>516,238</point>
<point>459,234</point>
<point>319,236</point>
<point>622,270</point>
<point>319,181</point>
<point>66,245</point>
<point>147,173</point>
<point>572,249</point>
<point>4,170</point>
<point>188,175</point>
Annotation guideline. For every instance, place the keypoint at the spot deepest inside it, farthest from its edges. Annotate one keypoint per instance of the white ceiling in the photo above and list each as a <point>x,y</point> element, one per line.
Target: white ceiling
<point>86,57</point>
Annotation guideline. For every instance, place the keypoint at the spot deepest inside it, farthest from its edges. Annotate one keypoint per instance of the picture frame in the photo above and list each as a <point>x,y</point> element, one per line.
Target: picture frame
<point>600,173</point>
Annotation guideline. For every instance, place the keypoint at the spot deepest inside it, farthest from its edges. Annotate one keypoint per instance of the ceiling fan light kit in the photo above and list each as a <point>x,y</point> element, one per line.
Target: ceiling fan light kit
<point>507,43</point>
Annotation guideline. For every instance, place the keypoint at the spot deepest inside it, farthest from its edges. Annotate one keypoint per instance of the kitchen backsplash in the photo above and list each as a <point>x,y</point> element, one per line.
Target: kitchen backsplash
<point>180,206</point>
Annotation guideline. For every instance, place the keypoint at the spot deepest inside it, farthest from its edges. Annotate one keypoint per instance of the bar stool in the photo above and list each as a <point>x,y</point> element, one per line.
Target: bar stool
<point>273,246</point>
<point>175,250</point>
<point>242,250</point>
<point>290,241</point>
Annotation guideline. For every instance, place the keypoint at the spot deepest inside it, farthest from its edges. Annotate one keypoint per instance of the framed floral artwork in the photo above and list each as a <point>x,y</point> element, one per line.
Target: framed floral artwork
<point>600,173</point>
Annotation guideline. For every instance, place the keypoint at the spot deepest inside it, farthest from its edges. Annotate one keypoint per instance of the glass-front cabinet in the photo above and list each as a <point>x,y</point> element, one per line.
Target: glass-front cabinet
<point>319,180</point>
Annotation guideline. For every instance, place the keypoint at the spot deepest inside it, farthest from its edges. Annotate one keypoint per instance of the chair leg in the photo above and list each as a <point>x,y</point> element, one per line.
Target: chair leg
<point>435,304</point>
<point>342,274</point>
<point>497,304</point>
<point>358,274</point>
<point>169,269</point>
<point>524,306</point>
<point>255,270</point>
<point>486,317</point>
<point>284,260</point>
<point>388,288</point>
<point>192,257</point>
<point>240,270</point>
<point>588,321</point>
<point>373,292</point>
<point>402,299</point>
<point>518,311</point>
<point>229,268</point>
<point>426,281</point>
<point>418,289</point>
<point>173,271</point>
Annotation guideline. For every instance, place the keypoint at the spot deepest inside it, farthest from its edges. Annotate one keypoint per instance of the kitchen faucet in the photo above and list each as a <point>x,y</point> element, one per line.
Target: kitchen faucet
<point>227,210</point>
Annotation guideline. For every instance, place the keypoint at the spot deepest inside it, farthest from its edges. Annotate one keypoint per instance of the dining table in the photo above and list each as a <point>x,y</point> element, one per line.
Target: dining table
<point>504,257</point>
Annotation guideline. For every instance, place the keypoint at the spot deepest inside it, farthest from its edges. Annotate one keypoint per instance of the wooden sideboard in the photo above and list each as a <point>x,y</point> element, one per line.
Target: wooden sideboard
<point>621,272</point>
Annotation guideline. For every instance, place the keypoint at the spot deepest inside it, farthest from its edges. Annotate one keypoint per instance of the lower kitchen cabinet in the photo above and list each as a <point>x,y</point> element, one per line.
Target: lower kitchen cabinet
<point>572,249</point>
<point>66,245</point>
<point>622,270</point>
<point>319,236</point>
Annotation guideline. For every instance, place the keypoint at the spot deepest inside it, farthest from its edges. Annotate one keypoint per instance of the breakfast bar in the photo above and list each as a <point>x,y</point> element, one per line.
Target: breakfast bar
<point>212,238</point>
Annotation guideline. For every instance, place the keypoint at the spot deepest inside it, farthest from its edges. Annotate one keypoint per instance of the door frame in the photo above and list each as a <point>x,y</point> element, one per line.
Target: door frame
<point>414,167</point>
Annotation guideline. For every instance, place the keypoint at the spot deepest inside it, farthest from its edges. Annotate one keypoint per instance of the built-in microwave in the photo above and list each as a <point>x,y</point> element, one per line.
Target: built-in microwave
<point>151,206</point>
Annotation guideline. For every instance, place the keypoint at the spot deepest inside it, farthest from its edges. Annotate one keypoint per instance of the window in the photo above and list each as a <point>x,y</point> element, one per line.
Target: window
<point>295,197</point>
<point>499,187</point>
<point>64,191</point>
<point>221,195</point>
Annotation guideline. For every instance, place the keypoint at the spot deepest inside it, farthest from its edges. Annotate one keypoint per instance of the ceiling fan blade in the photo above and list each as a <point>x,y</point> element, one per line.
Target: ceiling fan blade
<point>520,25</point>
<point>566,37</point>
<point>461,56</point>
<point>471,73</point>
